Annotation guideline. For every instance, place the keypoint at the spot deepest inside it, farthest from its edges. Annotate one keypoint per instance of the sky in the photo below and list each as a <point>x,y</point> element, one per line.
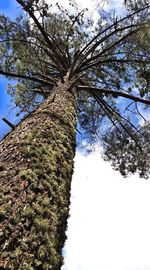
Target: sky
<point>109,222</point>
<point>11,9</point>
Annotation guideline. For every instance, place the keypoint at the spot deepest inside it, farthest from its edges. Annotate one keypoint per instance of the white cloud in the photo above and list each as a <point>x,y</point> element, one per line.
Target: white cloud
<point>118,5</point>
<point>110,221</point>
<point>91,5</point>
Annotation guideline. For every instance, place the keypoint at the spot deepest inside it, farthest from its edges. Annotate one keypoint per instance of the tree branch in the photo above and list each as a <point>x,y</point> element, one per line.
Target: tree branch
<point>102,40</point>
<point>30,78</point>
<point>44,34</point>
<point>110,26</point>
<point>112,112</point>
<point>113,93</point>
<point>50,79</point>
<point>8,123</point>
<point>27,8</point>
<point>84,64</point>
<point>115,61</point>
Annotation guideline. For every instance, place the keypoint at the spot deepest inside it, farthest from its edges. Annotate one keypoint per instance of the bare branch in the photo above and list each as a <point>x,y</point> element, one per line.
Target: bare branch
<point>141,114</point>
<point>107,111</point>
<point>8,123</point>
<point>127,108</point>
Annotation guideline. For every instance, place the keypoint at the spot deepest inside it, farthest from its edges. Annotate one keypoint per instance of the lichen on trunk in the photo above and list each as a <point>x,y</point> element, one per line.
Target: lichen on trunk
<point>36,166</point>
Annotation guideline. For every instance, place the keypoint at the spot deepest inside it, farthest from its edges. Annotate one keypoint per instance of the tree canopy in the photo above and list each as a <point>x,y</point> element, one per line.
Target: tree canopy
<point>108,63</point>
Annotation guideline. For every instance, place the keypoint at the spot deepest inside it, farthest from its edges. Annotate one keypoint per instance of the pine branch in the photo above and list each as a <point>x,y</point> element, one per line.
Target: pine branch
<point>115,61</point>
<point>95,57</point>
<point>113,93</point>
<point>50,79</point>
<point>112,112</point>
<point>28,9</point>
<point>109,27</point>
<point>92,49</point>
<point>124,119</point>
<point>45,36</point>
<point>21,76</point>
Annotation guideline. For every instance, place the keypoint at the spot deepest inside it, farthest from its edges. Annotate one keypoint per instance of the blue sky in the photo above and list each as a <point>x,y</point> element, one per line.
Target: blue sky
<point>11,9</point>
<point>5,5</point>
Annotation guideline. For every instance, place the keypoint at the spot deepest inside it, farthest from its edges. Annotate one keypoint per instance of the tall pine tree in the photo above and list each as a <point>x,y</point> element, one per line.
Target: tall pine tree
<point>75,70</point>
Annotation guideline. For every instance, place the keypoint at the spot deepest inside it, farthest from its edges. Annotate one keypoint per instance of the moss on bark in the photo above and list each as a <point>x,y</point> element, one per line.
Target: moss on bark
<point>36,166</point>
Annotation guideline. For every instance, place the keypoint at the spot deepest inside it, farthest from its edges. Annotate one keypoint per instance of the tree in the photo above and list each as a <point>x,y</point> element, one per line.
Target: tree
<point>125,155</point>
<point>61,61</point>
<point>119,148</point>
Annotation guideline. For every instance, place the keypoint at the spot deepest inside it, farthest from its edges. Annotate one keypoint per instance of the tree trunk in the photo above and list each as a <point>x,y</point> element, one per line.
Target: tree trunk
<point>36,166</point>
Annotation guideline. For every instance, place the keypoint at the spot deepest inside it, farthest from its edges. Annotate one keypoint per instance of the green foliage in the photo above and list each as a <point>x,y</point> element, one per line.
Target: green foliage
<point>21,39</point>
<point>126,155</point>
<point>43,47</point>
<point>64,46</point>
<point>135,4</point>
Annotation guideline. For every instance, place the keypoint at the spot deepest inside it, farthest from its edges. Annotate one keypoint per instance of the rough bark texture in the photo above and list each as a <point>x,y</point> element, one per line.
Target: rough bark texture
<point>36,165</point>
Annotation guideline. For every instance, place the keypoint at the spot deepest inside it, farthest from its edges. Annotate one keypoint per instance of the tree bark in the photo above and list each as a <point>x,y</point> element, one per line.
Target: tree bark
<point>36,166</point>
